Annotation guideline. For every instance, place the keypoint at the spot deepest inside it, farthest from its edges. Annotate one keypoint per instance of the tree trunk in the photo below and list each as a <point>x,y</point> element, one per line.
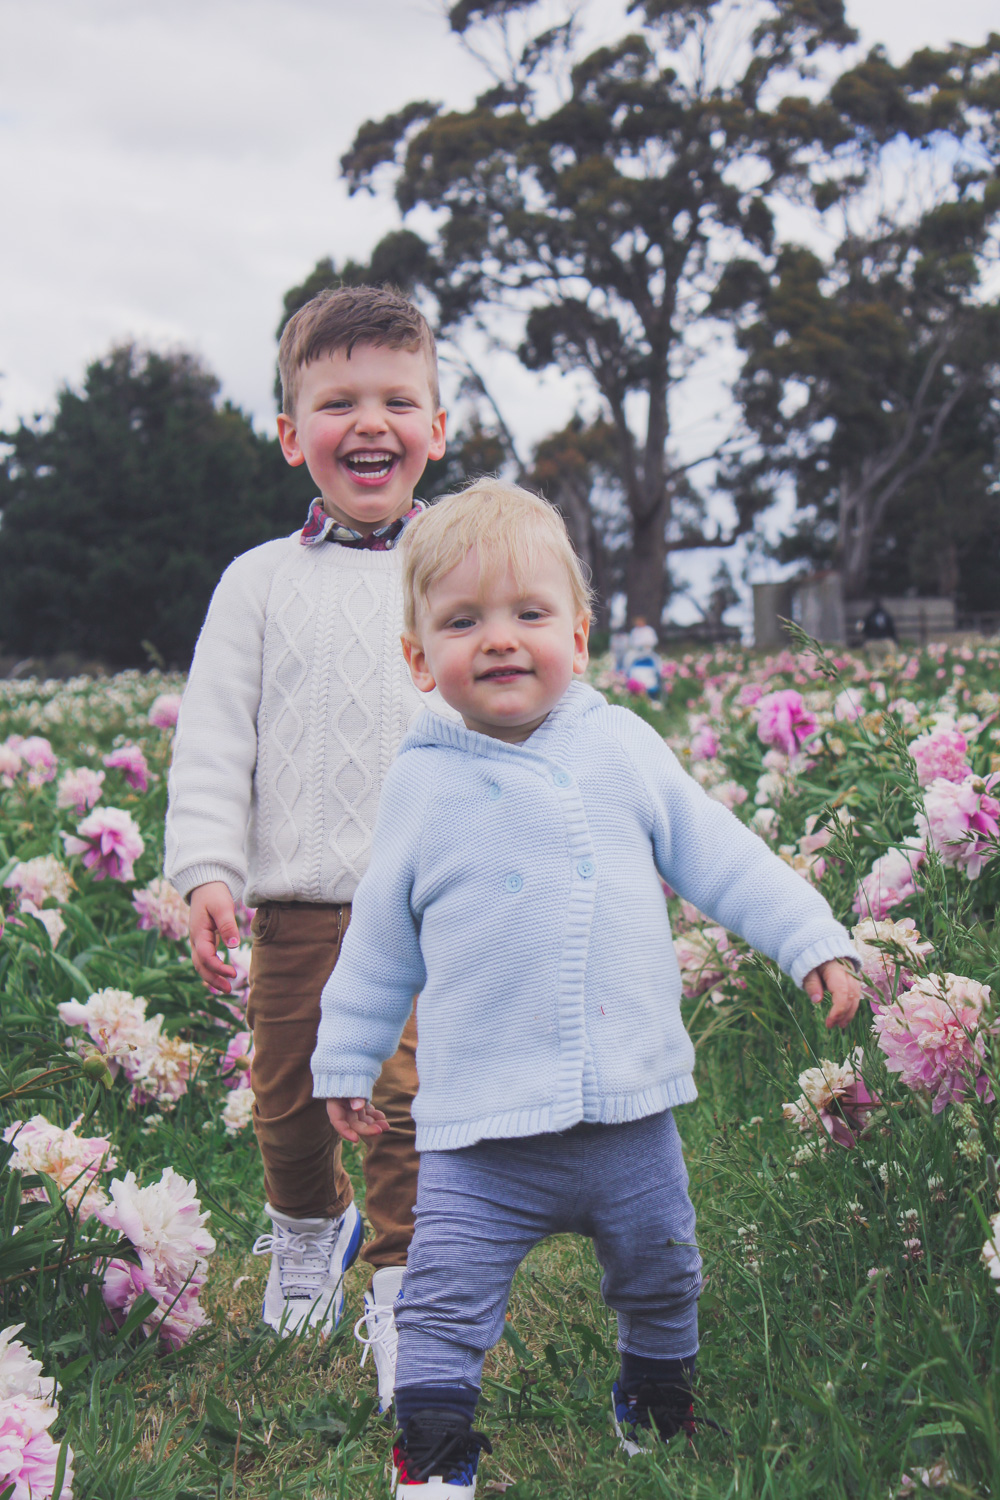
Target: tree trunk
<point>646,568</point>
<point>574,507</point>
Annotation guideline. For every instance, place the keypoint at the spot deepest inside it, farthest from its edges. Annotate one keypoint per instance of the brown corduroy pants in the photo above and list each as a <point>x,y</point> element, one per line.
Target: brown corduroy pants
<point>295,946</point>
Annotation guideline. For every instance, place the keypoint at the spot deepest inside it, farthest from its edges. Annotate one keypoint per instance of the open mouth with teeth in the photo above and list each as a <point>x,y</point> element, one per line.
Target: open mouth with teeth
<point>372,466</point>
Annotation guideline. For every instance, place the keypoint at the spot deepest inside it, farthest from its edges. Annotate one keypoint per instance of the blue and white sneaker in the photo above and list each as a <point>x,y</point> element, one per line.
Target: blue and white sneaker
<point>305,1285</point>
<point>635,1416</point>
<point>380,1337</point>
<point>655,1411</point>
<point>439,1458</point>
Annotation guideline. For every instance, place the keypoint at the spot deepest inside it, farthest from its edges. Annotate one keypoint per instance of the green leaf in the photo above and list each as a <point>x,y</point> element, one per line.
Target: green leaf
<point>144,1307</point>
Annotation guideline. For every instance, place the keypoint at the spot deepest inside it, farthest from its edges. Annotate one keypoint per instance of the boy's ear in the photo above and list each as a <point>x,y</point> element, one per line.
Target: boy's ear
<point>581,646</point>
<point>416,660</point>
<point>439,441</point>
<point>289,439</point>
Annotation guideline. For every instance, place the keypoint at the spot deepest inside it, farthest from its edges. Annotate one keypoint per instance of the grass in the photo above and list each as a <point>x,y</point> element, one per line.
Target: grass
<point>830,1383</point>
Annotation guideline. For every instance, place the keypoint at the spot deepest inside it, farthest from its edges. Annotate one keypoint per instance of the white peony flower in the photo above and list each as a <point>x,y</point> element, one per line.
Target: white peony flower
<point>237,1112</point>
<point>991,1250</point>
<point>20,1374</point>
<point>164,1222</point>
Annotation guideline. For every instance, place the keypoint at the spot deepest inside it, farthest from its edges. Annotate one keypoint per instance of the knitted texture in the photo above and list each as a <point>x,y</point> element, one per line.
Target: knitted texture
<point>296,703</point>
<point>516,888</point>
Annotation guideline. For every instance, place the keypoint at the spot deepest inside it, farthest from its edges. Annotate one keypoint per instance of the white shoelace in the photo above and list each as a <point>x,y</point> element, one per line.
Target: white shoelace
<point>303,1258</point>
<point>382,1332</point>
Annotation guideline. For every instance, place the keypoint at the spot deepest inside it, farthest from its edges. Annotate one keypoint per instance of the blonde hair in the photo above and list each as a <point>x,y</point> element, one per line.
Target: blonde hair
<point>344,316</point>
<point>505,525</point>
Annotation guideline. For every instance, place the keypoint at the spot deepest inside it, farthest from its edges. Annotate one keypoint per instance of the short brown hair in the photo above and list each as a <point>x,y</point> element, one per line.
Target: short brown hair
<point>349,315</point>
<point>506,525</point>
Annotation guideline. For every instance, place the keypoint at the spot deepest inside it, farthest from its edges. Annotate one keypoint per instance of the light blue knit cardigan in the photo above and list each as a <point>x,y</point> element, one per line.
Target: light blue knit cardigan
<point>515,888</point>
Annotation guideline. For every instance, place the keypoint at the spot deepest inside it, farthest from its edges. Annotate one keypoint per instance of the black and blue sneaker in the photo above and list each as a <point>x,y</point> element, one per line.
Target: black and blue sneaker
<point>654,1410</point>
<point>436,1457</point>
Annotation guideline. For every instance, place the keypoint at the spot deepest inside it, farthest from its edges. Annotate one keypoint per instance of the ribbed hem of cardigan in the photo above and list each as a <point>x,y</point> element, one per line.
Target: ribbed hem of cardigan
<point>343,1085</point>
<point>822,953</point>
<point>614,1109</point>
<point>185,881</point>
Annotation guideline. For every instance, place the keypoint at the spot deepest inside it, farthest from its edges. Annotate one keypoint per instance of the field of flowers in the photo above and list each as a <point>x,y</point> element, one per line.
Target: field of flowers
<point>846,1183</point>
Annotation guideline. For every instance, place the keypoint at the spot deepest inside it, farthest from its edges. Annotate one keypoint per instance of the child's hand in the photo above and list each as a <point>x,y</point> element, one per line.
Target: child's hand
<point>352,1118</point>
<point>213,921</point>
<point>844,988</point>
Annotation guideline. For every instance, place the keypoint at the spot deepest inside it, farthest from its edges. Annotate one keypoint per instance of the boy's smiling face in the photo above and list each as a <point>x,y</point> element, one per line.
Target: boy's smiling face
<point>500,652</point>
<point>365,427</point>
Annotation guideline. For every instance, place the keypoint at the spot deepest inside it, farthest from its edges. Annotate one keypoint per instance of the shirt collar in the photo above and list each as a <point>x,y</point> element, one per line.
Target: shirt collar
<point>320,527</point>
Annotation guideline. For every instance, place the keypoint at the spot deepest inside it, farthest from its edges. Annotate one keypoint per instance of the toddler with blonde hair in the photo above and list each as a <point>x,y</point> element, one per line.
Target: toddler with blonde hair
<point>515,883</point>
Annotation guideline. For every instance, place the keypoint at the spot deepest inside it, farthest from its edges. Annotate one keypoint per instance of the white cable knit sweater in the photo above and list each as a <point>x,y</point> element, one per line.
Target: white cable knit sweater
<point>296,704</point>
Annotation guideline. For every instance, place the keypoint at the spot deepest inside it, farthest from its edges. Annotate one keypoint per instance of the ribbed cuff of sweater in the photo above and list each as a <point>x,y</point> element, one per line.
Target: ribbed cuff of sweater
<point>822,953</point>
<point>343,1085</point>
<point>185,881</point>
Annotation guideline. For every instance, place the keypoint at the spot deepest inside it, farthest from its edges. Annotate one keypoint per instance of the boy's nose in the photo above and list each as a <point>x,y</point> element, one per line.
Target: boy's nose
<point>499,638</point>
<point>370,419</point>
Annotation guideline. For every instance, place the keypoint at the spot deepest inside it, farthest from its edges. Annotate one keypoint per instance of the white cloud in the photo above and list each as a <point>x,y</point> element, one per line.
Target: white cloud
<point>168,171</point>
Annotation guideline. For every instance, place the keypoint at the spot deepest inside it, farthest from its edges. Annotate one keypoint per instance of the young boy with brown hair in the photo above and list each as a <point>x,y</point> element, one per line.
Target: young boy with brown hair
<point>296,703</point>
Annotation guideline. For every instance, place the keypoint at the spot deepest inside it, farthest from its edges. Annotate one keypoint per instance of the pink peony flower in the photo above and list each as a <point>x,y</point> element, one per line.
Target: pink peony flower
<point>889,953</point>
<point>74,1162</point>
<point>28,1454</point>
<point>177,1315</point>
<point>962,821</point>
<point>234,1066</point>
<point>847,706</point>
<point>20,1374</point>
<point>40,880</point>
<point>167,1069</point>
<point>834,1098</point>
<point>10,760</point>
<point>749,694</point>
<point>162,910</point>
<point>729,793</point>
<point>52,921</point>
<point>79,789</point>
<point>165,1223</point>
<point>890,881</point>
<point>38,755</point>
<point>244,919</point>
<point>707,961</point>
<point>784,721</point>
<point>164,711</point>
<point>110,844</point>
<point>931,1037</point>
<point>941,755</point>
<point>704,744</point>
<point>130,760</point>
<point>115,1021</point>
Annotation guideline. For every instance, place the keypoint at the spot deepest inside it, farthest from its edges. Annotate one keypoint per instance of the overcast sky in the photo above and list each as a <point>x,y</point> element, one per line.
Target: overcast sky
<point>168,168</point>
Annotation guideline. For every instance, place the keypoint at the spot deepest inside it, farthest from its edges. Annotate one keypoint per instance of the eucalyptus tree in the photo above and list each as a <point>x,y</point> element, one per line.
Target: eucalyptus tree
<point>872,375</point>
<point>598,195</point>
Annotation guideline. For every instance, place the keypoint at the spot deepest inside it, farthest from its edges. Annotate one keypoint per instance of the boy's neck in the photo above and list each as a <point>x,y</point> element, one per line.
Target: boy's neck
<point>515,735</point>
<point>366,527</point>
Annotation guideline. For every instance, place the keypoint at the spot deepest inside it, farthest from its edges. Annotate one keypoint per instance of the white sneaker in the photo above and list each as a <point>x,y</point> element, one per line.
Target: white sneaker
<point>305,1286</point>
<point>380,1335</point>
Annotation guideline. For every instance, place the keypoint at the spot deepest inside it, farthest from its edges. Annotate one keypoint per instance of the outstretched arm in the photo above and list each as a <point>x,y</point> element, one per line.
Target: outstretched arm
<point>731,874</point>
